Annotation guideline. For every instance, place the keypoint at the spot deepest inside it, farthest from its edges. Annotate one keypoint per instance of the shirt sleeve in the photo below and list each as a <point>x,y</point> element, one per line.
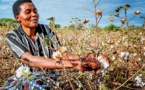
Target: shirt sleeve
<point>16,44</point>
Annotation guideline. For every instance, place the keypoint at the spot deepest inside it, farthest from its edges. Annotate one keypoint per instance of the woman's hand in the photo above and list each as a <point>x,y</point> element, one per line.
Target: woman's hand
<point>104,60</point>
<point>86,64</point>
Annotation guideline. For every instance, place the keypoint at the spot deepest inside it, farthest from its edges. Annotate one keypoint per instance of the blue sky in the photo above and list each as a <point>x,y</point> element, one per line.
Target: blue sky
<point>65,10</point>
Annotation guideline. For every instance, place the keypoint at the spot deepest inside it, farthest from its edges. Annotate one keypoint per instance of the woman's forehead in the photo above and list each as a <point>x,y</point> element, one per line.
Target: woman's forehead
<point>27,5</point>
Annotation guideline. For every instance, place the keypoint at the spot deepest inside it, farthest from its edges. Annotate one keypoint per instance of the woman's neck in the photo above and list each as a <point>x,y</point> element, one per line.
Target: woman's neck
<point>31,32</point>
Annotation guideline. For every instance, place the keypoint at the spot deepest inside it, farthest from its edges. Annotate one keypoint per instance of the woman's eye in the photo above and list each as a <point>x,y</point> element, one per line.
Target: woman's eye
<point>27,11</point>
<point>35,11</point>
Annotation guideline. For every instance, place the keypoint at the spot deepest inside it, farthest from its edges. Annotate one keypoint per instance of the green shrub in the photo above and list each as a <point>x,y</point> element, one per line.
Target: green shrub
<point>111,27</point>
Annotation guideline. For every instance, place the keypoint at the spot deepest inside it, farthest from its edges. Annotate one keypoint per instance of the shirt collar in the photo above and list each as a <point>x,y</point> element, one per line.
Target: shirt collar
<point>38,29</point>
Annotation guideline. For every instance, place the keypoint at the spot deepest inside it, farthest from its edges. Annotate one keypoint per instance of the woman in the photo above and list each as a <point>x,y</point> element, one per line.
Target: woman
<point>27,44</point>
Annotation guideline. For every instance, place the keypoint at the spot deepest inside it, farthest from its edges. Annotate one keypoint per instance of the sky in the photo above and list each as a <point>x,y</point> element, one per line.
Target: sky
<point>65,10</point>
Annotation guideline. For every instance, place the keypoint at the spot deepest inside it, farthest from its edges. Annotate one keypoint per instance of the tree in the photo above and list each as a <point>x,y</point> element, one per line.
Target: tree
<point>76,24</point>
<point>111,27</point>
<point>52,22</point>
<point>8,22</point>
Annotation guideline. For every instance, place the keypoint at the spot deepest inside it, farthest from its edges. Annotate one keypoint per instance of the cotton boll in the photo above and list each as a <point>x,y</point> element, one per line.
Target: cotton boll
<point>122,54</point>
<point>104,63</point>
<point>139,81</point>
<point>25,69</point>
<point>103,44</point>
<point>111,47</point>
<point>22,70</point>
<point>125,55</point>
<point>19,72</point>
<point>57,55</point>
<point>139,59</point>
<point>62,49</point>
<point>135,54</point>
<point>113,57</point>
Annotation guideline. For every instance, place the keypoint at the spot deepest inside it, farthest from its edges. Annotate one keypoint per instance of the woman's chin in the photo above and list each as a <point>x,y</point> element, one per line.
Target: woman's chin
<point>34,25</point>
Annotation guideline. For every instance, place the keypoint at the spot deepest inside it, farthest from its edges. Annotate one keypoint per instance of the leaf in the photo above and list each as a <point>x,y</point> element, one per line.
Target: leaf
<point>48,41</point>
<point>81,74</point>
<point>115,52</point>
<point>79,53</point>
<point>111,68</point>
<point>19,84</point>
<point>102,87</point>
<point>142,72</point>
<point>31,78</point>
<point>128,85</point>
<point>117,10</point>
<point>121,79</point>
<point>116,62</point>
<point>70,43</point>
<point>6,84</point>
<point>79,87</point>
<point>26,74</point>
<point>107,77</point>
<point>93,51</point>
<point>126,6</point>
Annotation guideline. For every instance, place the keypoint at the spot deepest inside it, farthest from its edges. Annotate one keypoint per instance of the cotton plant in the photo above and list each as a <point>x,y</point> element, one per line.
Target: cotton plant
<point>125,55</point>
<point>111,47</point>
<point>139,59</point>
<point>134,54</point>
<point>104,62</point>
<point>113,58</point>
<point>23,71</point>
<point>139,81</point>
<point>57,55</point>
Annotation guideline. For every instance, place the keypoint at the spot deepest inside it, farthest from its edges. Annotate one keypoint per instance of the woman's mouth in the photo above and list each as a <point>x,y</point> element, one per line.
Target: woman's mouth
<point>34,20</point>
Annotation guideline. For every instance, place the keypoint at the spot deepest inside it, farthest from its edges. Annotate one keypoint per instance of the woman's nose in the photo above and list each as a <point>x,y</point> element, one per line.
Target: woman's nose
<point>34,14</point>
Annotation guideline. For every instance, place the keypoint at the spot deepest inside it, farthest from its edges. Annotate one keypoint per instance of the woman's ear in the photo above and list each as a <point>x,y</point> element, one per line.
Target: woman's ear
<point>17,18</point>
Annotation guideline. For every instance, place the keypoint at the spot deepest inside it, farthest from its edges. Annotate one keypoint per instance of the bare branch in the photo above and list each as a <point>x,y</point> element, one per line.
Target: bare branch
<point>87,9</point>
<point>98,2</point>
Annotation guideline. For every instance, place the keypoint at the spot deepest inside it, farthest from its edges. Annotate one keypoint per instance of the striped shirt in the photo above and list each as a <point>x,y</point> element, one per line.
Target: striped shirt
<point>20,43</point>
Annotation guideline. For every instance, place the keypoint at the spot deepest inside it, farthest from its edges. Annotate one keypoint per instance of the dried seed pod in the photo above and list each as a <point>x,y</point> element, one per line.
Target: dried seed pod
<point>99,12</point>
<point>136,12</point>
<point>85,21</point>
<point>117,15</point>
<point>123,20</point>
<point>111,19</point>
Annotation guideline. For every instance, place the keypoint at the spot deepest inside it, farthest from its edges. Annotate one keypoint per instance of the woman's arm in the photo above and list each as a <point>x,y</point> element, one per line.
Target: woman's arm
<point>68,61</point>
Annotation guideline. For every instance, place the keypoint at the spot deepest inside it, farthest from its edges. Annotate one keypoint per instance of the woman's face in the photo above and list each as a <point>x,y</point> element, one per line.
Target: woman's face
<point>28,16</point>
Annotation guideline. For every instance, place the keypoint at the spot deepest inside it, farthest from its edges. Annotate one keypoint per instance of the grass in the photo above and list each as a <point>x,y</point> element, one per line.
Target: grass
<point>110,43</point>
